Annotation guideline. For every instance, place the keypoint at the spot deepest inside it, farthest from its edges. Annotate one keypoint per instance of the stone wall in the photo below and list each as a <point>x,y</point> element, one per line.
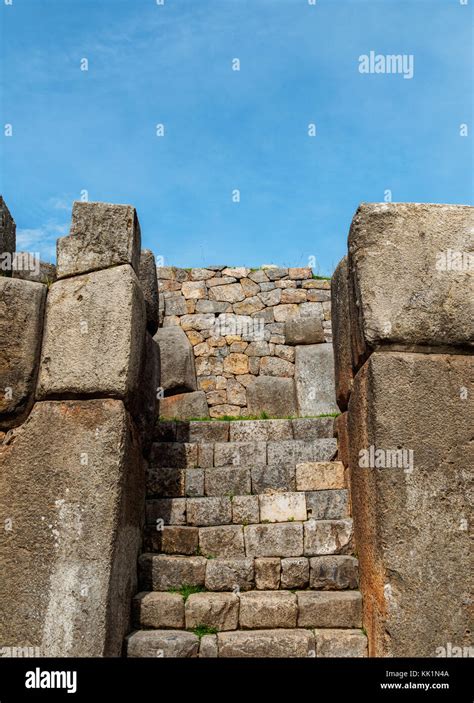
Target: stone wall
<point>79,373</point>
<point>260,340</point>
<point>403,339</point>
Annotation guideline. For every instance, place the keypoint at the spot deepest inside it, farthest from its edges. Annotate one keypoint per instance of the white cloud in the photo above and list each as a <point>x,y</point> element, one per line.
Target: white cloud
<point>41,240</point>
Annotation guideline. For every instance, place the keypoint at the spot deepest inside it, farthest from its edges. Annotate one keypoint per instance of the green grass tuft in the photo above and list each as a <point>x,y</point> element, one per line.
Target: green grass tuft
<point>202,630</point>
<point>187,590</point>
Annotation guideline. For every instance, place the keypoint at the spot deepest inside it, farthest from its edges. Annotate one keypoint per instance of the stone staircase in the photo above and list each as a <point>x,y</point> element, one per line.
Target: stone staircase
<point>248,546</point>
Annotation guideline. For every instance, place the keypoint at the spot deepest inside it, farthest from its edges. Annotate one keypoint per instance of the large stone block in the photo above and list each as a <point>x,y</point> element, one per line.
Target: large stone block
<point>320,475</point>
<point>304,330</point>
<point>278,540</point>
<point>174,644</point>
<point>327,609</point>
<point>283,644</point>
<point>267,609</point>
<point>334,572</point>
<point>327,537</point>
<point>222,541</point>
<point>282,507</point>
<point>149,285</point>
<point>267,573</point>
<point>341,332</point>
<point>159,572</point>
<point>340,643</point>
<point>21,325</point>
<point>403,286</point>
<point>230,574</point>
<point>101,235</point>
<point>411,520</point>
<point>160,611</point>
<point>72,491</point>
<point>314,379</point>
<point>273,395</point>
<point>184,406</point>
<point>178,373</point>
<point>93,337</point>
<point>218,610</point>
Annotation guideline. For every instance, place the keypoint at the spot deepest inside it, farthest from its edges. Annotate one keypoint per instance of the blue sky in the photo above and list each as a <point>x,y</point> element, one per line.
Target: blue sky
<point>171,64</point>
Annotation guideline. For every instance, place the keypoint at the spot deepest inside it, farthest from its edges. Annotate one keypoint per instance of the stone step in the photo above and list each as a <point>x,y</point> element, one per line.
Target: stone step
<point>251,610</point>
<point>190,455</point>
<point>326,572</point>
<point>247,509</point>
<point>279,539</point>
<point>160,572</point>
<point>172,482</point>
<point>279,643</point>
<point>244,430</point>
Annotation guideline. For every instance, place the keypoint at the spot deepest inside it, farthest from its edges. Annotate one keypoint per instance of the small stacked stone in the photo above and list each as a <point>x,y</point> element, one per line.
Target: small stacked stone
<point>235,321</point>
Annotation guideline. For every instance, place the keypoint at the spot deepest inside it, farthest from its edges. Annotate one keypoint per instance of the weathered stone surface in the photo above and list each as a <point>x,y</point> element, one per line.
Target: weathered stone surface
<point>299,451</point>
<point>300,272</point>
<point>313,427</point>
<point>278,540</point>
<point>245,510</point>
<point>274,273</point>
<point>276,396</point>
<point>163,644</point>
<point>273,478</point>
<point>314,379</point>
<point>168,511</point>
<point>194,290</point>
<point>168,482</point>
<point>231,293</point>
<point>219,610</point>
<point>208,647</point>
<point>282,507</point>
<point>230,480</point>
<point>160,611</point>
<point>293,295</point>
<point>284,644</point>
<point>285,312</point>
<point>285,352</point>
<point>334,572</point>
<point>174,454</point>
<point>249,306</point>
<point>199,322</point>
<point>327,609</point>
<point>222,541</point>
<point>408,522</point>
<point>73,486</point>
<point>159,572</point>
<point>179,540</point>
<point>260,430</point>
<point>207,306</point>
<point>7,231</point>
<point>101,235</point>
<point>184,405</point>
<point>99,350</point>
<point>319,475</point>
<point>399,291</point>
<point>340,643</point>
<point>327,537</point>
<point>236,393</point>
<point>178,373</point>
<point>230,574</point>
<point>239,453</point>
<point>294,573</point>
<point>236,364</point>
<point>21,324</point>
<point>194,483</point>
<point>175,305</point>
<point>202,431</point>
<point>208,511</point>
<point>341,329</point>
<point>149,286</point>
<point>328,505</point>
<point>205,454</point>
<point>267,609</point>
<point>267,573</point>
<point>273,366</point>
